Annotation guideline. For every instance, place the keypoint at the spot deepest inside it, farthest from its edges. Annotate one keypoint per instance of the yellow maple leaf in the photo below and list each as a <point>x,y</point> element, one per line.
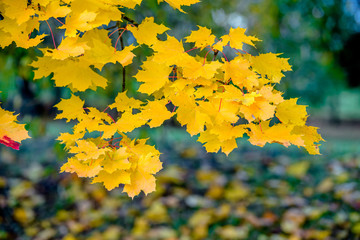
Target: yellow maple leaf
<point>140,181</point>
<point>72,108</point>
<point>289,112</point>
<point>53,9</point>
<point>18,10</point>
<point>10,31</point>
<point>195,69</point>
<point>124,103</point>
<point>140,147</point>
<point>154,76</point>
<point>178,3</point>
<point>272,95</point>
<point>147,31</point>
<point>156,112</point>
<point>78,22</point>
<point>201,37</point>
<point>70,139</point>
<point>213,144</point>
<point>88,14</point>
<point>81,168</point>
<point>93,120</point>
<point>100,51</point>
<point>311,137</point>
<point>238,71</point>
<point>270,65</point>
<point>283,134</point>
<point>149,163</point>
<point>220,45</point>
<point>227,131</point>
<point>128,3</point>
<point>220,111</point>
<point>259,109</point>
<point>232,93</point>
<point>11,132</point>
<point>86,149</point>
<point>237,37</point>
<point>127,123</point>
<point>222,137</point>
<point>74,73</point>
<point>96,115</point>
<point>189,114</point>
<point>69,47</point>
<point>169,52</point>
<point>112,180</point>
<point>118,160</point>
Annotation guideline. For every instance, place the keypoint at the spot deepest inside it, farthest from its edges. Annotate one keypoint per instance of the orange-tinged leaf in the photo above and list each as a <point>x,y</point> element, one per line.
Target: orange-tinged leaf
<point>259,109</point>
<point>140,181</point>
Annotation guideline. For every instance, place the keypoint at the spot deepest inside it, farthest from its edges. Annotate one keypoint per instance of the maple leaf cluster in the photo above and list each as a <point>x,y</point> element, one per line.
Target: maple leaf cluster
<point>220,100</point>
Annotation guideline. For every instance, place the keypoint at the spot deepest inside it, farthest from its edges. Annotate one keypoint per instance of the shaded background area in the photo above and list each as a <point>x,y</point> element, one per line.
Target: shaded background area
<point>255,193</point>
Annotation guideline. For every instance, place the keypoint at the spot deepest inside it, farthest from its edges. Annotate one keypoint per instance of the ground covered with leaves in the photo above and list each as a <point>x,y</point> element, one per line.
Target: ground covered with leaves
<point>255,193</point>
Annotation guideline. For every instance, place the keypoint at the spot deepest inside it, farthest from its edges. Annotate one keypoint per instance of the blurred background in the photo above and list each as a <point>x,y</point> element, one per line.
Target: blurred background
<point>255,193</point>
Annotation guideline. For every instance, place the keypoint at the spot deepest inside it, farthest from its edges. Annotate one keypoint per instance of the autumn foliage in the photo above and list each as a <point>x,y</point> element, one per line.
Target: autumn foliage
<point>217,98</point>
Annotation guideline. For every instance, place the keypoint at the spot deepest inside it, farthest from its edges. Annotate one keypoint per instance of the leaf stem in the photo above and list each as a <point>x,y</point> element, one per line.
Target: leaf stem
<point>52,34</point>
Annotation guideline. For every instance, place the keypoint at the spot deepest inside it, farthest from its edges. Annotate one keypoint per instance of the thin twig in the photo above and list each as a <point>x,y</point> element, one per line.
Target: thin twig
<point>130,21</point>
